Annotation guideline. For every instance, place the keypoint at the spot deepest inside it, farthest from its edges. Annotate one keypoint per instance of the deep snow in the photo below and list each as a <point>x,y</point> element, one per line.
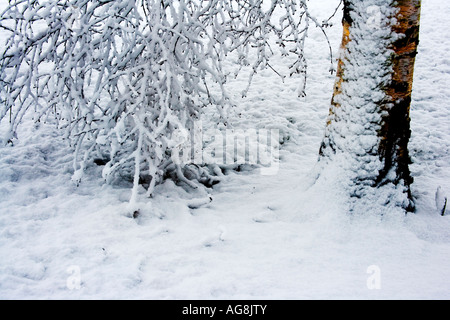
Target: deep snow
<point>263,236</point>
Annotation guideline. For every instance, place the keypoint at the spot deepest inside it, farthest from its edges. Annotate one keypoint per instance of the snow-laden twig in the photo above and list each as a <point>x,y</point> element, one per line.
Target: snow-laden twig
<point>120,77</point>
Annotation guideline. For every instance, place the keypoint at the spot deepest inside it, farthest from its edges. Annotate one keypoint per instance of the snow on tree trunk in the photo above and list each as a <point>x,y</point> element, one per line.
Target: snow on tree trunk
<point>368,129</point>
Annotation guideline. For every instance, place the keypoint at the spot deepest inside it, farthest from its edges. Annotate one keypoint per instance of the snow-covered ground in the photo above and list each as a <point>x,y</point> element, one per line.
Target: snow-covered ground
<point>263,236</point>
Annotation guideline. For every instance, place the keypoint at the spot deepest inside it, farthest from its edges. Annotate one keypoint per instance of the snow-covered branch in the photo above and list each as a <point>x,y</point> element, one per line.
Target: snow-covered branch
<point>121,77</point>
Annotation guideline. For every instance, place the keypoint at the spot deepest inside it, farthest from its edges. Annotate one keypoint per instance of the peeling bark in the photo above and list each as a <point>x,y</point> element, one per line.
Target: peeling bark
<point>395,132</point>
<point>393,125</point>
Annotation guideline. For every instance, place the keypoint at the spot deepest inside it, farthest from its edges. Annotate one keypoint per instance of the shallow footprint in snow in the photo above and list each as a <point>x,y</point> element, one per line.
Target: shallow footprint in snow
<point>215,238</point>
<point>267,215</point>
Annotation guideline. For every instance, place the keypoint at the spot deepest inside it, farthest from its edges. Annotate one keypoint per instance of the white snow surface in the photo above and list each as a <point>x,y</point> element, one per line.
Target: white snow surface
<point>262,236</point>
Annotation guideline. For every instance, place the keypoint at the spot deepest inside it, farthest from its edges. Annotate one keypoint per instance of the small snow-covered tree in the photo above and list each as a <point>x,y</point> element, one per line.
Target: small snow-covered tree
<point>369,125</point>
<point>126,79</point>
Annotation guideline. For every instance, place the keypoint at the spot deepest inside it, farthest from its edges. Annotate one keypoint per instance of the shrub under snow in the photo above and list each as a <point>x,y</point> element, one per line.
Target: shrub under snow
<point>125,78</point>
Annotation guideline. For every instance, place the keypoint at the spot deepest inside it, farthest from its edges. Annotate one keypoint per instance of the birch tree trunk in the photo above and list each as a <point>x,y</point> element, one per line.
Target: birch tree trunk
<point>368,128</point>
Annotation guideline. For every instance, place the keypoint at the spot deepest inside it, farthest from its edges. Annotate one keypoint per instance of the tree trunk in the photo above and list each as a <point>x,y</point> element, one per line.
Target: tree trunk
<point>369,122</point>
<point>395,132</point>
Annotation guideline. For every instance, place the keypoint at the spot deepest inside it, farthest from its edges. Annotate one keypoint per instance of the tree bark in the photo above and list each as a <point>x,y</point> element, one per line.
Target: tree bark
<point>395,131</point>
<point>391,113</point>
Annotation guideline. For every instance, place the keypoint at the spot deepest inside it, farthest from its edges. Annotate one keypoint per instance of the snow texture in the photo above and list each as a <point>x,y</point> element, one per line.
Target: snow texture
<point>251,236</point>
